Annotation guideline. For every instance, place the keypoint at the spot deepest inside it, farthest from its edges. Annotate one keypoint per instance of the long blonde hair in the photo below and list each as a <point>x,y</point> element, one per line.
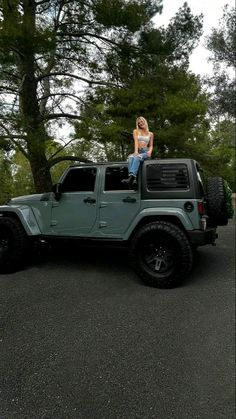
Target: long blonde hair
<point>141,118</point>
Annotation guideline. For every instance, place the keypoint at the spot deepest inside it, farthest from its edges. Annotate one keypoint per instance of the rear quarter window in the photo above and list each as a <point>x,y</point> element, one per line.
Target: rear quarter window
<point>167,177</point>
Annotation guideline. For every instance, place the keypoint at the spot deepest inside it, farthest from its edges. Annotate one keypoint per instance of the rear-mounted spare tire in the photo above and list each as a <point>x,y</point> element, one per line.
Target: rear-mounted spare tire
<point>219,201</point>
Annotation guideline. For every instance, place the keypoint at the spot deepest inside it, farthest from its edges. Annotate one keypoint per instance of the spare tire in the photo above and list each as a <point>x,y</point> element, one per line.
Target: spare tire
<point>217,205</point>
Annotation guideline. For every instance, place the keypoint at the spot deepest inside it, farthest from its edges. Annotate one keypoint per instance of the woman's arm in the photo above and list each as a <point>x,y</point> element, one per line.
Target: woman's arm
<point>150,148</point>
<point>135,136</point>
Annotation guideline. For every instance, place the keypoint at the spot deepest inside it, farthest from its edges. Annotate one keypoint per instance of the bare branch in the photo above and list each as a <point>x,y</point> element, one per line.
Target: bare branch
<point>62,94</point>
<point>8,73</point>
<point>10,89</point>
<point>61,148</point>
<point>62,115</point>
<point>13,138</point>
<point>102,83</point>
<point>92,35</point>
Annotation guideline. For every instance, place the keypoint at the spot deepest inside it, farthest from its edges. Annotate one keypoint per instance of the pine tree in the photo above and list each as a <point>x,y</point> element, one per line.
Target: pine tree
<point>45,46</point>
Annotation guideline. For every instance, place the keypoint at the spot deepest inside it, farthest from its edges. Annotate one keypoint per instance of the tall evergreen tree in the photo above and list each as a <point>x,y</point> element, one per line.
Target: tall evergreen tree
<point>222,45</point>
<point>152,80</point>
<point>44,47</point>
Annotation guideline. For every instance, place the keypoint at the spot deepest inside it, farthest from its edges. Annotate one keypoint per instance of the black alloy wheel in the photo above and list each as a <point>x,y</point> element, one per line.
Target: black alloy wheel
<point>161,254</point>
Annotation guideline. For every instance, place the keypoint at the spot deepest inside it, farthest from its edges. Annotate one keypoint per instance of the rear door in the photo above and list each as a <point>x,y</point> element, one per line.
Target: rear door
<point>118,205</point>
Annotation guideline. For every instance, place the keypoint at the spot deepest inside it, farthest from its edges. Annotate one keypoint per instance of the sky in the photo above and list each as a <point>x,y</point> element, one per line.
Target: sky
<point>212,11</point>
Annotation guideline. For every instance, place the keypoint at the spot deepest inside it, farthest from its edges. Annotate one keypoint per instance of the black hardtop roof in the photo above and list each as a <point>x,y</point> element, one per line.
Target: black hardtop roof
<point>113,163</point>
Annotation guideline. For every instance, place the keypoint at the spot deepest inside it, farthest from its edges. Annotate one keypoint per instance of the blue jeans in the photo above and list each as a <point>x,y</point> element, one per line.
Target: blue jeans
<point>134,161</point>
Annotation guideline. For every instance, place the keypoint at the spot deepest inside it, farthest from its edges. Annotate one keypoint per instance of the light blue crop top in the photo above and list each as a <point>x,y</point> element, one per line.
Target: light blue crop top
<point>144,138</point>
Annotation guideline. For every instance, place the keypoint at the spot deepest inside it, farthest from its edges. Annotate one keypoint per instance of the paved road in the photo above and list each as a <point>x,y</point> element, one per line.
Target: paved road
<point>83,338</point>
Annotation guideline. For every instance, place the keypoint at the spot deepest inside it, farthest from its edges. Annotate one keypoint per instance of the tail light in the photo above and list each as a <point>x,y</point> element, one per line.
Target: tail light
<point>200,207</point>
<point>201,212</point>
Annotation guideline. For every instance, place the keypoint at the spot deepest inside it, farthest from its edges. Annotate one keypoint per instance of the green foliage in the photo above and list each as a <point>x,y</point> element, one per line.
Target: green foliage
<point>183,33</point>
<point>228,198</point>
<point>21,176</point>
<point>44,47</point>
<point>153,84</point>
<point>6,178</point>
<point>58,170</point>
<point>219,156</point>
<point>172,101</point>
<point>130,14</point>
<point>222,44</point>
<point>222,41</point>
<point>131,68</point>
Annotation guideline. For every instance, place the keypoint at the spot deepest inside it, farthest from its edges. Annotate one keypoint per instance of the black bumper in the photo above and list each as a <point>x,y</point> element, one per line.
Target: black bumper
<point>200,237</point>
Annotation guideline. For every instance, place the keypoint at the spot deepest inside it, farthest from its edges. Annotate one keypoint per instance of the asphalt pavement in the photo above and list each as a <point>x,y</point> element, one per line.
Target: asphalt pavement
<point>82,337</point>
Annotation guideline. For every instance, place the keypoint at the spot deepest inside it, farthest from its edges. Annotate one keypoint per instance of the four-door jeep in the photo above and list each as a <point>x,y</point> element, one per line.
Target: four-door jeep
<point>161,223</point>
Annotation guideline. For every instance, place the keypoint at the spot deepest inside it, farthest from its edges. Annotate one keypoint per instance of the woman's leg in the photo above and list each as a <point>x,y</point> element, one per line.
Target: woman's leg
<point>130,162</point>
<point>131,177</point>
<point>133,166</point>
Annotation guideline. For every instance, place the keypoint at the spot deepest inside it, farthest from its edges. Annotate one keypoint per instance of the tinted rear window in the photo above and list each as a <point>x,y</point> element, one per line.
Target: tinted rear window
<point>167,176</point>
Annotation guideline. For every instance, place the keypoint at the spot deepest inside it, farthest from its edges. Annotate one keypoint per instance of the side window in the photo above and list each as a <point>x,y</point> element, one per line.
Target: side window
<point>80,179</point>
<point>113,178</point>
<point>167,177</point>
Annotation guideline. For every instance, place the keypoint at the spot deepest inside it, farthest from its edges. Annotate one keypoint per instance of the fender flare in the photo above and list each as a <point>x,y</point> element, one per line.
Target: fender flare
<point>162,212</point>
<point>25,215</point>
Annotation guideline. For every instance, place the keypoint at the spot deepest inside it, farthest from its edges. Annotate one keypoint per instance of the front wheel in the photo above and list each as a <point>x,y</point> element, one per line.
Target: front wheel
<point>13,244</point>
<point>161,254</point>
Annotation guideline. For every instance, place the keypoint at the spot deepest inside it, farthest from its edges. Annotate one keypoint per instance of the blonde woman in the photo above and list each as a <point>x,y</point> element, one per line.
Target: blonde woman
<point>143,146</point>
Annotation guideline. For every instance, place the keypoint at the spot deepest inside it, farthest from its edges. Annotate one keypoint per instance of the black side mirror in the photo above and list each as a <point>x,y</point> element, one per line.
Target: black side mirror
<point>57,189</point>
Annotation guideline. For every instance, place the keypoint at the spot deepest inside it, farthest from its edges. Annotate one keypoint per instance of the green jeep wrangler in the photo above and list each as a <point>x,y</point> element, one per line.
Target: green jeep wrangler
<point>161,223</point>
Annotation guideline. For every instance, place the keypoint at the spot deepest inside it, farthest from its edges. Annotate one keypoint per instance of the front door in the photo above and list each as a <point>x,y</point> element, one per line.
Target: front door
<point>75,213</point>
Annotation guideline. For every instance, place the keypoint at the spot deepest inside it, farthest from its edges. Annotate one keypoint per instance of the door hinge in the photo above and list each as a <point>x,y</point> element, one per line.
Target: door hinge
<point>102,224</point>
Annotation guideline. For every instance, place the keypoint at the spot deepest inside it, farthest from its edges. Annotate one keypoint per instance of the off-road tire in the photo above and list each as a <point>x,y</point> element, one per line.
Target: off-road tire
<point>216,201</point>
<point>161,254</point>
<point>13,245</point>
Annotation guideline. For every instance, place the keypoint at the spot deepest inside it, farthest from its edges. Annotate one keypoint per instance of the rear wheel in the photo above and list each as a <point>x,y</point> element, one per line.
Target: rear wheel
<point>161,254</point>
<point>13,244</point>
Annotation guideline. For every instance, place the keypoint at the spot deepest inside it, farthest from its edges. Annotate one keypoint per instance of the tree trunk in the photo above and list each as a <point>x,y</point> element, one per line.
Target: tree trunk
<point>31,119</point>
<point>36,137</point>
<point>40,171</point>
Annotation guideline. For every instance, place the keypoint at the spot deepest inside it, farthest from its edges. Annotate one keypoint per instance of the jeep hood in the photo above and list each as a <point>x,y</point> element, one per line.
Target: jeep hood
<point>27,199</point>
